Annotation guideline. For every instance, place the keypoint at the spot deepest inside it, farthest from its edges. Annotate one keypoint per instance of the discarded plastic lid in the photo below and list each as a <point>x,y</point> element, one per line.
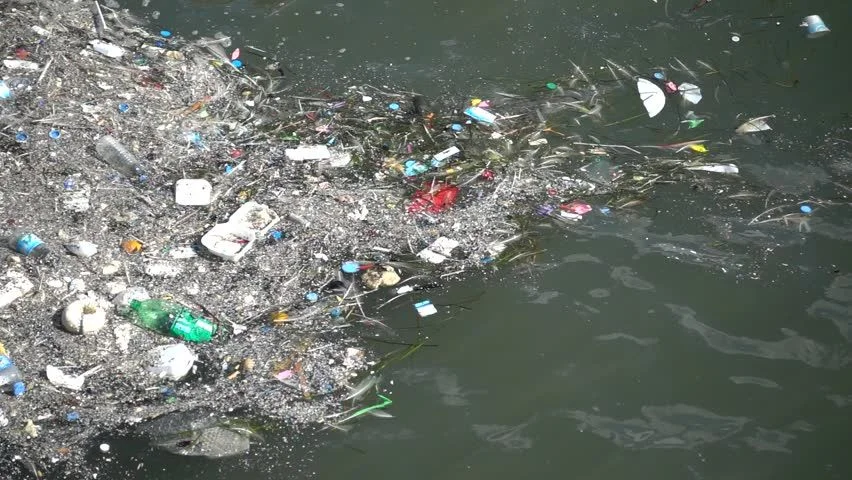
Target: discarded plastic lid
<point>456,127</point>
<point>659,75</point>
<point>55,133</point>
<point>165,33</point>
<point>21,137</point>
<point>123,107</point>
<point>816,27</point>
<point>237,63</point>
<point>551,86</point>
<point>394,106</point>
<point>72,416</point>
<point>312,297</point>
<point>806,209</point>
<point>18,389</point>
<point>425,308</point>
<point>350,267</point>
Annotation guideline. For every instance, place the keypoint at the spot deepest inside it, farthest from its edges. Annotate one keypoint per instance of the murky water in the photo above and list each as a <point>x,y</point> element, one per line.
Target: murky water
<point>674,340</point>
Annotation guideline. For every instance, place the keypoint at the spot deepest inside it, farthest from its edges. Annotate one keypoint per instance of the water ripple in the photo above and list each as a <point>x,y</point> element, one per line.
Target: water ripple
<point>794,347</point>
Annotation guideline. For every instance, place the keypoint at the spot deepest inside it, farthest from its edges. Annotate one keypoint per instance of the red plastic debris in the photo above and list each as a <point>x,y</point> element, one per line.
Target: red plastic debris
<point>21,53</point>
<point>577,206</point>
<point>434,197</point>
<point>487,174</point>
<point>236,153</point>
<point>671,87</point>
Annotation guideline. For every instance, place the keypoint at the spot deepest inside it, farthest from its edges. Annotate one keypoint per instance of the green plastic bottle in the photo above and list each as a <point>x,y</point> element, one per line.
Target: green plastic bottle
<point>170,318</point>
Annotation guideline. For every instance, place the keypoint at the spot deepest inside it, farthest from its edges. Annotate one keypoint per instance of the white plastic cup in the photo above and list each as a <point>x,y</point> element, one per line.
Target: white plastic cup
<point>816,27</point>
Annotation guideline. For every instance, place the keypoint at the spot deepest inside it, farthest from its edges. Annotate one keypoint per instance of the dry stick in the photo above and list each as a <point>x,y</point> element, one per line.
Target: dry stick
<point>608,146</point>
<point>49,63</point>
<point>755,219</point>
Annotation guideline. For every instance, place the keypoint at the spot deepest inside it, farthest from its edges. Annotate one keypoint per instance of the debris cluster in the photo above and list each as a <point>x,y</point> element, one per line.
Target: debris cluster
<point>185,234</point>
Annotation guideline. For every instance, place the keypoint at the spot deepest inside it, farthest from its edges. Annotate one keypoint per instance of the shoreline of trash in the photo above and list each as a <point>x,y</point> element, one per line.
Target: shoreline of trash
<point>155,183</point>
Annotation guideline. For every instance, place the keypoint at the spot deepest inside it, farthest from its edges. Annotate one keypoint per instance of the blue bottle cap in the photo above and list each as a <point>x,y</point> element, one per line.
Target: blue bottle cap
<point>72,416</point>
<point>312,297</point>
<point>5,362</point>
<point>456,127</point>
<point>55,133</point>
<point>350,267</point>
<point>237,63</point>
<point>336,312</point>
<point>806,209</point>
<point>21,137</point>
<point>123,107</point>
<point>18,389</point>
<point>659,75</point>
<point>394,106</point>
<point>165,33</point>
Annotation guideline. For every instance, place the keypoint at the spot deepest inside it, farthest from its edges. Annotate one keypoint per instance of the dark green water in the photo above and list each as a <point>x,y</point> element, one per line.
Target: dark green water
<point>673,341</point>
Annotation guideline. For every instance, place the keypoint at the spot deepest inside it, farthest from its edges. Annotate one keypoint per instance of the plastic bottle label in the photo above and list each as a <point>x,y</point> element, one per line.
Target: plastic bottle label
<point>27,243</point>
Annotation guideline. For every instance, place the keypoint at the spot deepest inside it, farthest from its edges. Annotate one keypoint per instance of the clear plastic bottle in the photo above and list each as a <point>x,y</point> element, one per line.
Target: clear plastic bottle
<point>111,151</point>
<point>11,379</point>
<point>28,244</point>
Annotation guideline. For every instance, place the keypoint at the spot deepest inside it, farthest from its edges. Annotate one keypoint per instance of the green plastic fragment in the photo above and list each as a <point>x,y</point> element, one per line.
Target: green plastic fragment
<point>551,86</point>
<point>694,122</point>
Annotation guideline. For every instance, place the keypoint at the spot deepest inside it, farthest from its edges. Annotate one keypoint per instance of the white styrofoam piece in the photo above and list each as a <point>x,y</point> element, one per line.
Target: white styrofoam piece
<point>255,216</point>
<point>193,191</point>
<point>16,286</point>
<point>445,154</point>
<point>307,152</point>
<point>439,250</point>
<point>431,256</point>
<point>229,241</point>
<point>233,239</point>
<point>170,362</point>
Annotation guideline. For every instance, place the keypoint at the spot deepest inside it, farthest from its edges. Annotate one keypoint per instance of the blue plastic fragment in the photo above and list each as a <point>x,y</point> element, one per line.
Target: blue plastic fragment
<point>456,127</point>
<point>159,43</point>
<point>276,235</point>
<point>18,389</point>
<point>350,267</point>
<point>806,209</point>
<point>659,75</point>
<point>72,416</point>
<point>165,33</point>
<point>229,168</point>
<point>336,312</point>
<point>394,106</point>
<point>237,63</point>
<point>55,133</point>
<point>123,107</point>
<point>312,297</point>
<point>413,167</point>
<point>21,137</point>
